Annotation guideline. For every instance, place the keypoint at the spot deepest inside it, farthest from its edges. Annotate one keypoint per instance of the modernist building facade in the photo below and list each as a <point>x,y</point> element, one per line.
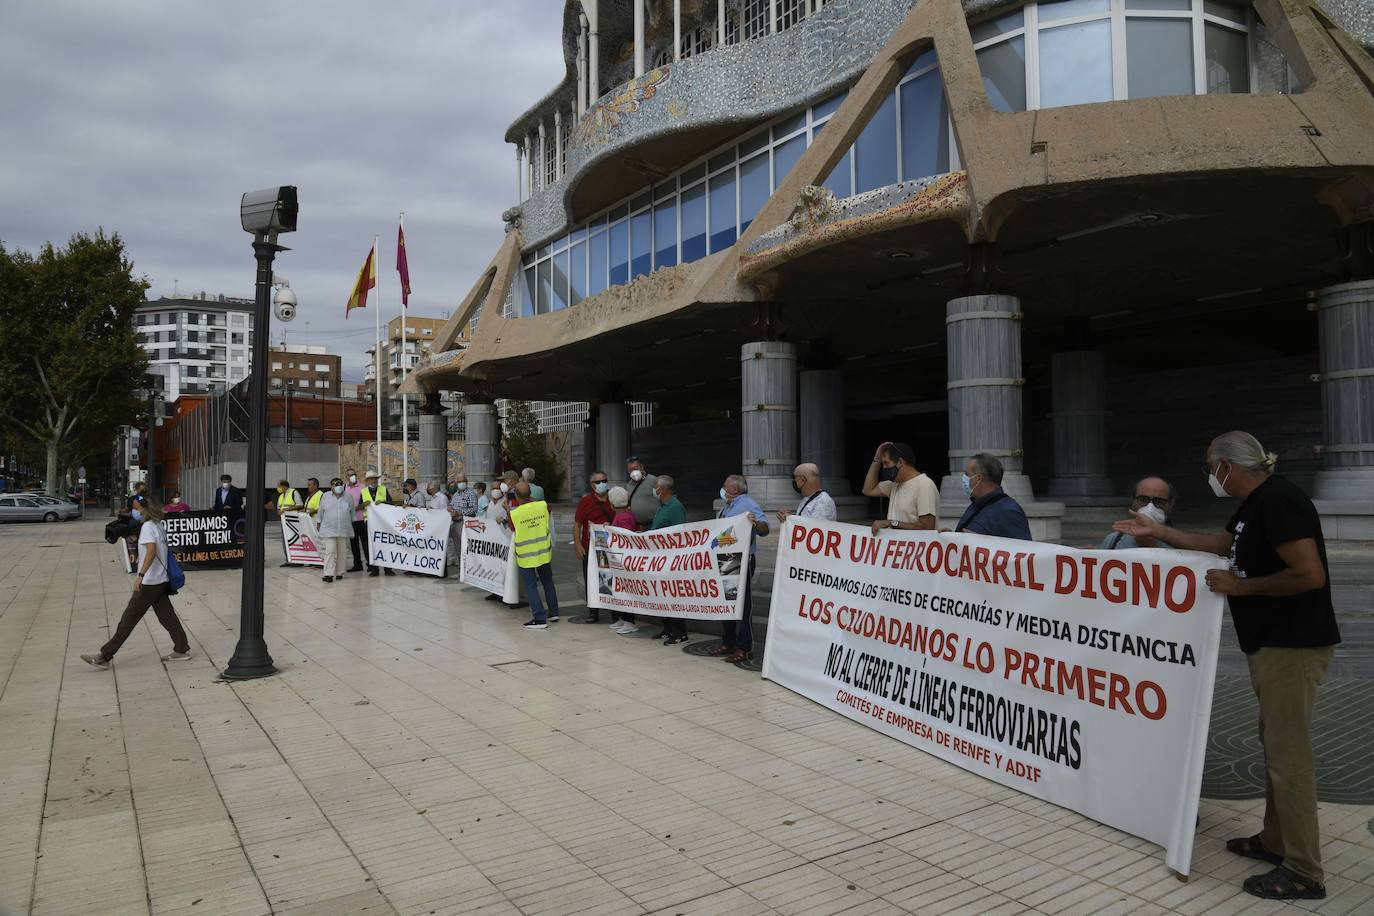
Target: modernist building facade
<point>196,344</point>
<point>1083,235</point>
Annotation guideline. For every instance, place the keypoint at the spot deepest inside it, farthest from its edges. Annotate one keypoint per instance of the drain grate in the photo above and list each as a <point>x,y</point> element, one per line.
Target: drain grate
<point>516,662</point>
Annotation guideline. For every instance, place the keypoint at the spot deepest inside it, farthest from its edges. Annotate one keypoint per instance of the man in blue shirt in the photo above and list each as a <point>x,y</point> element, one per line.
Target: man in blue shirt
<point>738,645</point>
<point>991,511</point>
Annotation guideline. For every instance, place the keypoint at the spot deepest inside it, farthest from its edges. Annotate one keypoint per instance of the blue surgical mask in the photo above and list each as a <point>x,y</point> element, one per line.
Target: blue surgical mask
<point>462,485</point>
<point>966,484</point>
<point>601,487</point>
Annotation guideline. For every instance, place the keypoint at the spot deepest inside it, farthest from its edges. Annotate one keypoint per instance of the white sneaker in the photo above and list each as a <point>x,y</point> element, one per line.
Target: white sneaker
<point>626,631</point>
<point>617,624</point>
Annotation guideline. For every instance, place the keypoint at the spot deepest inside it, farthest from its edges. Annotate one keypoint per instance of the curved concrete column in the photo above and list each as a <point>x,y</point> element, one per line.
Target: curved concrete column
<point>821,426</point>
<point>768,419</point>
<point>480,445</point>
<point>1078,393</point>
<point>613,438</point>
<point>1344,489</point>
<point>983,343</point>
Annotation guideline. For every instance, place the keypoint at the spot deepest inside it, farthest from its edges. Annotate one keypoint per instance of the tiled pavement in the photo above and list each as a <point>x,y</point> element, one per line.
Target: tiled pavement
<point>419,753</point>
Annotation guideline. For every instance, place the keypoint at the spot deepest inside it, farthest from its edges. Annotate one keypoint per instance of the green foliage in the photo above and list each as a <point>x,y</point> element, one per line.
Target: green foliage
<point>71,360</point>
<point>526,447</point>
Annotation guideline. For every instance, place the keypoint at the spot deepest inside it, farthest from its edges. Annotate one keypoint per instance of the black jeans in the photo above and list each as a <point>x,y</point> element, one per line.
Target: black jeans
<point>147,596</point>
<point>359,543</point>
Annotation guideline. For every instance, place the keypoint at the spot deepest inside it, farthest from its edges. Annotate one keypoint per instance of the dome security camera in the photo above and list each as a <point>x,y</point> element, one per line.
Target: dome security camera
<point>285,303</point>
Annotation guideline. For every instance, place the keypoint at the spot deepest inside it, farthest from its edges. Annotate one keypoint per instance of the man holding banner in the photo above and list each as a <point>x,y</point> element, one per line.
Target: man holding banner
<point>738,644</point>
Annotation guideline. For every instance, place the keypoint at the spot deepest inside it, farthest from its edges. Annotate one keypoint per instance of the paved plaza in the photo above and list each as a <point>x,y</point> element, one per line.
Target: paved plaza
<point>419,753</point>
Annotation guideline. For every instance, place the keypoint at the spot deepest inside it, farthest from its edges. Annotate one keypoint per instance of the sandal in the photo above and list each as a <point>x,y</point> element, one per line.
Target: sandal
<point>1253,848</point>
<point>1282,884</point>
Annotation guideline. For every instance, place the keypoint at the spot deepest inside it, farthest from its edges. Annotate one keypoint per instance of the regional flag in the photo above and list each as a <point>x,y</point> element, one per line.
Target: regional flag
<point>367,279</point>
<point>402,265</point>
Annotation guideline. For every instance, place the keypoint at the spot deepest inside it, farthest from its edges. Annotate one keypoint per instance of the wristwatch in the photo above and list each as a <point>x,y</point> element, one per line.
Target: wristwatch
<point>892,523</point>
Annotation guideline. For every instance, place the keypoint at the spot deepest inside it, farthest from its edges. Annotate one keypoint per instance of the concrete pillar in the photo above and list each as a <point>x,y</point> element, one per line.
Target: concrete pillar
<point>593,57</point>
<point>480,445</point>
<point>613,438</point>
<point>983,345</point>
<point>433,442</point>
<point>677,30</point>
<point>821,425</point>
<point>581,104</point>
<point>1344,489</point>
<point>558,144</point>
<point>543,155</point>
<point>720,23</point>
<point>768,411</point>
<point>1080,429</point>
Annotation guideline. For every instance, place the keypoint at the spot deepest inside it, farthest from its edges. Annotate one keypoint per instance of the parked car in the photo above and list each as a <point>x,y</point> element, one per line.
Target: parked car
<point>16,508</point>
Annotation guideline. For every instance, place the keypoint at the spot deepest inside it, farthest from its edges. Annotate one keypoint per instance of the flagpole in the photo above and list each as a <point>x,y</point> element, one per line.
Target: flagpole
<point>377,358</point>
<point>405,399</point>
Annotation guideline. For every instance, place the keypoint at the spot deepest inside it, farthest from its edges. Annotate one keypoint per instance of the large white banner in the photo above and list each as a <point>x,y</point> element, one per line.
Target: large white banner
<point>691,571</point>
<point>1083,677</point>
<point>301,539</point>
<point>487,560</point>
<point>414,540</point>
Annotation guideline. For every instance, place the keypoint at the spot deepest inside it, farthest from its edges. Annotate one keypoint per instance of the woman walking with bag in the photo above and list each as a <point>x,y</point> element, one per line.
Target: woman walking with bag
<point>151,590</point>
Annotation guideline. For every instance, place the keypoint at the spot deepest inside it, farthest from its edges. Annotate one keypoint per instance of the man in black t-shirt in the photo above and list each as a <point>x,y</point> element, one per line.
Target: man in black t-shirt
<point>1279,590</point>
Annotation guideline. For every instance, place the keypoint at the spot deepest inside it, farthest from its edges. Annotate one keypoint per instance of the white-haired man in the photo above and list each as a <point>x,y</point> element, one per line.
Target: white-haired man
<point>536,491</point>
<point>815,501</point>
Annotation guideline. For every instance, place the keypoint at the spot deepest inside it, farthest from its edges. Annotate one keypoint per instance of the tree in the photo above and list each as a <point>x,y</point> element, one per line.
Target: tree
<point>71,362</point>
<point>526,446</point>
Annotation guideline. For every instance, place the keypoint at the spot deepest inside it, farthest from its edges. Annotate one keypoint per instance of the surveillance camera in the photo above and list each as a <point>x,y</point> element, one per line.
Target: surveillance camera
<point>286,311</point>
<point>269,210</point>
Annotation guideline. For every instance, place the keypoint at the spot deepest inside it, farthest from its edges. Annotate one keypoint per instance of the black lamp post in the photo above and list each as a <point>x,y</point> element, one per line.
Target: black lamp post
<point>265,214</point>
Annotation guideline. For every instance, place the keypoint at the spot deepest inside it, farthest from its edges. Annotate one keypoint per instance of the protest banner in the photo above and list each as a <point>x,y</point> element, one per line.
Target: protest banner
<point>205,537</point>
<point>1081,677</point>
<point>414,540</point>
<point>487,561</point>
<point>301,539</point>
<point>690,571</point>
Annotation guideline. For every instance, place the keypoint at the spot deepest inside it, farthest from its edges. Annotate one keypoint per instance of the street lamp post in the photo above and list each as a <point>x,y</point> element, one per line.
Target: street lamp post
<point>265,214</point>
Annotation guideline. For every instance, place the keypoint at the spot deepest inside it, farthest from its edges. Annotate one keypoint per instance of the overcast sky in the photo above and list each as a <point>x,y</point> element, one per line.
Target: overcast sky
<point>152,117</point>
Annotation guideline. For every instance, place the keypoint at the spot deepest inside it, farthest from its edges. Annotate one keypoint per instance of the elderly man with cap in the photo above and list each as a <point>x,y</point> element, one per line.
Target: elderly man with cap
<point>373,493</point>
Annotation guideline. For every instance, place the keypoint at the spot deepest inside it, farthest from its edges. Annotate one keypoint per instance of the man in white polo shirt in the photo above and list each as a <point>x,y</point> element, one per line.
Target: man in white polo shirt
<point>913,498</point>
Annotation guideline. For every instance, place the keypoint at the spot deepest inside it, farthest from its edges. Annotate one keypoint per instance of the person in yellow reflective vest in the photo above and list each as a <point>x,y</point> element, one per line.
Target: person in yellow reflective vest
<point>373,493</point>
<point>313,495</point>
<point>533,543</point>
<point>288,500</point>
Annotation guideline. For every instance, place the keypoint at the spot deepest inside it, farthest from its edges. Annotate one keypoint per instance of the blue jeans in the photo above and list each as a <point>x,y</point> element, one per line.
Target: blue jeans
<point>532,577</point>
<point>740,633</point>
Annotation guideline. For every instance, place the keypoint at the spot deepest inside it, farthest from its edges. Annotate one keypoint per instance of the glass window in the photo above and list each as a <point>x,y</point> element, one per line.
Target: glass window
<point>690,175</point>
<point>640,202</point>
<point>665,190</point>
<point>1159,5</point>
<point>925,60</point>
<point>788,126</point>
<point>1159,57</point>
<point>984,31</point>
<point>1228,70</point>
<point>665,235</point>
<point>531,293</point>
<point>724,219</point>
<point>753,189</point>
<point>838,182</point>
<point>1076,64</point>
<point>1053,10</point>
<point>1231,11</point>
<point>544,271</point>
<point>577,273</point>
<point>724,160</point>
<point>694,224</point>
<point>597,250</point>
<point>875,151</point>
<point>620,252</point>
<point>925,127</point>
<point>754,143</point>
<point>641,244</point>
<point>560,281</point>
<point>1004,74</point>
<point>785,155</point>
<point>827,108</point>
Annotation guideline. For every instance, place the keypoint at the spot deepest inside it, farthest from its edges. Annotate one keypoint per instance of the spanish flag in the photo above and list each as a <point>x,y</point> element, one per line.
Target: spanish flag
<point>367,279</point>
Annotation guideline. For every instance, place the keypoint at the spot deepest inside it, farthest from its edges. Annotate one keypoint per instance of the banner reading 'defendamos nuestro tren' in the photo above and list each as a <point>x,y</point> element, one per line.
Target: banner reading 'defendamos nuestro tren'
<point>691,571</point>
<point>1082,677</point>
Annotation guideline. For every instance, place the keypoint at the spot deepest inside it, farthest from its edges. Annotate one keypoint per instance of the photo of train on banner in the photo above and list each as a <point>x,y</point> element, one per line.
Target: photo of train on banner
<point>689,571</point>
<point>1080,677</point>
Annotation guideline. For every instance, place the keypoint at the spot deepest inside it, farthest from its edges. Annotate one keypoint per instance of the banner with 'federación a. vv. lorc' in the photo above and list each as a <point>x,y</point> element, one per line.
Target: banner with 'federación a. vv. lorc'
<point>1082,677</point>
<point>694,571</point>
<point>414,540</point>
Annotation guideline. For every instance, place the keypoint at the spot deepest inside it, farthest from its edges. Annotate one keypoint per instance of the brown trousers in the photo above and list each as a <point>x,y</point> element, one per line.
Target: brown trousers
<point>147,596</point>
<point>1285,681</point>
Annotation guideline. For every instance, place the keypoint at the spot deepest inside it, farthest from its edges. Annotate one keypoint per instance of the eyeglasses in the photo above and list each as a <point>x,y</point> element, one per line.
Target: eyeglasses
<point>1160,502</point>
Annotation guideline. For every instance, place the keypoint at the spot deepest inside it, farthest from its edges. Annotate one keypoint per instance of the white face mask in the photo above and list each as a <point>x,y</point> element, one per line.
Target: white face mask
<point>505,488</point>
<point>966,483</point>
<point>223,485</point>
<point>723,495</point>
<point>338,489</point>
<point>462,485</point>
<point>352,478</point>
<point>636,475</point>
<point>497,495</point>
<point>1218,486</point>
<point>1153,513</point>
